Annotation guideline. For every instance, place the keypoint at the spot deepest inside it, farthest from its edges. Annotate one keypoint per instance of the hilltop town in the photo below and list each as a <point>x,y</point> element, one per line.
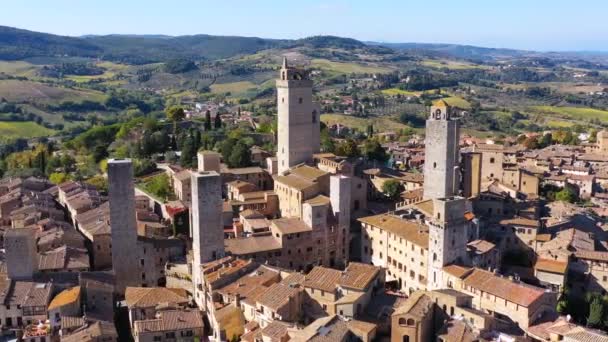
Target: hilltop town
<point>443,236</point>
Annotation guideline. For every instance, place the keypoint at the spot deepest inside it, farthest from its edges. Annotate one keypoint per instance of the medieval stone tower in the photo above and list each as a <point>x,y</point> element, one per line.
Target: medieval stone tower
<point>298,120</point>
<point>123,223</point>
<point>21,253</point>
<point>441,152</point>
<point>602,141</point>
<point>448,228</point>
<point>207,227</point>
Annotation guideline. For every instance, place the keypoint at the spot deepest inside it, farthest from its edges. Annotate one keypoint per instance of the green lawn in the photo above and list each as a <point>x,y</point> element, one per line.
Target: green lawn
<point>397,91</point>
<point>27,91</point>
<point>381,124</point>
<point>457,102</point>
<point>455,65</point>
<point>234,88</point>
<point>346,68</point>
<point>23,129</point>
<point>576,113</point>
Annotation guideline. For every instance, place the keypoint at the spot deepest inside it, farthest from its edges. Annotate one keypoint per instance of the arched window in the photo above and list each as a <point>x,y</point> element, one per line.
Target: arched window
<point>283,75</point>
<point>410,321</point>
<point>492,160</point>
<point>434,256</point>
<point>434,165</point>
<point>402,321</point>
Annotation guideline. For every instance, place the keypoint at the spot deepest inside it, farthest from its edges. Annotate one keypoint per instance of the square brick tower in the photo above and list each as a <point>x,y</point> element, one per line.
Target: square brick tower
<point>207,224</point>
<point>123,224</point>
<point>298,120</point>
<point>441,152</point>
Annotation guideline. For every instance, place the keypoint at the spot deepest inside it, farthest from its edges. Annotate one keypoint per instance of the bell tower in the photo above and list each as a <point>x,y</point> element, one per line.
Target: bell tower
<point>298,120</point>
<point>441,152</point>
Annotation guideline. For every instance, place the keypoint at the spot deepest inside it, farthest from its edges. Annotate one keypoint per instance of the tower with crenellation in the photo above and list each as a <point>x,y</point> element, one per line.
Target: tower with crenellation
<point>298,120</point>
<point>448,227</point>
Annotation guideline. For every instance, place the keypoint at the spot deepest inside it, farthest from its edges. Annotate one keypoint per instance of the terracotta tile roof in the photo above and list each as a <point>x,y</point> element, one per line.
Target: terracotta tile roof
<point>278,295</point>
<point>145,297</point>
<point>307,172</point>
<point>358,275</point>
<point>64,258</point>
<point>295,182</point>
<point>480,246</point>
<point>552,266</point>
<point>318,200</point>
<point>457,330</point>
<point>543,237</point>
<point>276,331</point>
<point>322,278</point>
<point>249,283</point>
<point>592,255</point>
<point>250,213</point>
<point>170,320</point>
<point>419,304</point>
<point>294,278</point>
<point>65,297</point>
<point>252,244</point>
<point>515,292</point>
<point>427,207</point>
<point>413,194</point>
<point>93,332</point>
<point>587,336</point>
<point>409,230</point>
<point>521,221</point>
<point>290,225</point>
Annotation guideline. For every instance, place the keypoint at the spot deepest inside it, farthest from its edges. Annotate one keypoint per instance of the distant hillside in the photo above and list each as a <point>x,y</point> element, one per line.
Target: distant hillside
<point>149,49</point>
<point>455,50</point>
<point>19,44</point>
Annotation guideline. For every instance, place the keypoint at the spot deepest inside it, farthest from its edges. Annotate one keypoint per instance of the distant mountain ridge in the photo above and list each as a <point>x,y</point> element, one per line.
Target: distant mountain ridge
<point>18,44</point>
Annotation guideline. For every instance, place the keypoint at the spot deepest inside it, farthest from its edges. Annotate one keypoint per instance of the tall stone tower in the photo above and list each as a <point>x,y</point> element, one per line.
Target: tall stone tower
<point>441,152</point>
<point>207,226</point>
<point>21,253</point>
<point>123,224</point>
<point>298,119</point>
<point>448,228</point>
<point>340,198</point>
<point>602,141</point>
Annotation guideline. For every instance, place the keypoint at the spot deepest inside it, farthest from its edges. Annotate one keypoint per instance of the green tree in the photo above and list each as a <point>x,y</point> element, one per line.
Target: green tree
<point>207,120</point>
<point>218,121</point>
<point>596,313</point>
<point>58,177</point>
<point>391,189</point>
<point>175,114</point>
<point>566,195</point>
<point>188,152</point>
<point>240,155</point>
<point>348,148</point>
<point>530,143</point>
<point>372,150</point>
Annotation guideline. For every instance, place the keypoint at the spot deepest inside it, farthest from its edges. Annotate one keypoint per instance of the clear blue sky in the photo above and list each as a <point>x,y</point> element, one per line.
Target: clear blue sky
<point>525,24</point>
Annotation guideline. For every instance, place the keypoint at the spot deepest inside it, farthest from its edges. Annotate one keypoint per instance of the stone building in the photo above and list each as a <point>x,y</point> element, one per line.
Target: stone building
<point>320,237</point>
<point>298,119</point>
<point>123,223</point>
<point>21,253</point>
<point>207,224</point>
